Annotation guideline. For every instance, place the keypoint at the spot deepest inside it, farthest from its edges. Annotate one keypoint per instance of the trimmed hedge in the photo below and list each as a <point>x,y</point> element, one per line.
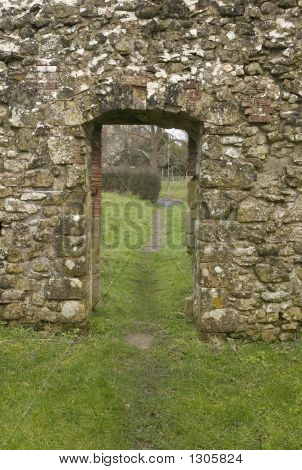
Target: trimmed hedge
<point>115,179</point>
<point>143,182</point>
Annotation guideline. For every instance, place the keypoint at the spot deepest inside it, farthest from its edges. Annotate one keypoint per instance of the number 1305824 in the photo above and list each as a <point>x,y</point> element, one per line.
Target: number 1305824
<point>215,458</point>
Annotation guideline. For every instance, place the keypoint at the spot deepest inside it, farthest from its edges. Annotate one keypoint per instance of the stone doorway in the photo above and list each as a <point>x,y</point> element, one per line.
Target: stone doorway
<point>93,131</point>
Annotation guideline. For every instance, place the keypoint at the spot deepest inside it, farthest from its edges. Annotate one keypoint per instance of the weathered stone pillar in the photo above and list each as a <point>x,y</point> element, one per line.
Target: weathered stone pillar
<point>191,194</point>
<point>95,188</point>
<point>191,214</point>
<point>226,286</point>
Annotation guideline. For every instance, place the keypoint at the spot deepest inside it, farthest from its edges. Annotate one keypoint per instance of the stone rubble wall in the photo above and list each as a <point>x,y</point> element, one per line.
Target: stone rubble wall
<point>227,72</point>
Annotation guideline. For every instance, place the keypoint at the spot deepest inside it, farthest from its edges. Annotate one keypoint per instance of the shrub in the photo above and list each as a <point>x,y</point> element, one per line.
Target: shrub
<point>143,182</point>
<point>146,184</point>
<point>115,179</point>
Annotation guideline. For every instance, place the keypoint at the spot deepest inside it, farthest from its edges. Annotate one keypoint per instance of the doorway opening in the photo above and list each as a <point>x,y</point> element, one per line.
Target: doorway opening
<point>133,150</point>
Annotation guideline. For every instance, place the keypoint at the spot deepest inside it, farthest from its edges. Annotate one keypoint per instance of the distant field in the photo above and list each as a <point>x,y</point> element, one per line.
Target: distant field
<point>174,190</point>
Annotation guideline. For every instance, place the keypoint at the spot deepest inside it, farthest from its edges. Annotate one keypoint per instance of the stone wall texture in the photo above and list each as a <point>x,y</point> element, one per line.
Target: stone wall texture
<point>227,72</point>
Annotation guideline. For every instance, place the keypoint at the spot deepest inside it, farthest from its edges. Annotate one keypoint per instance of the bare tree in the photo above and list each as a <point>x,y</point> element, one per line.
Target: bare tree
<point>143,145</point>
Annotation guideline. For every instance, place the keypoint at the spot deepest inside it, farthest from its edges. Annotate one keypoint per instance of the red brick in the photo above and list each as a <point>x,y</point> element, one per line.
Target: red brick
<point>261,118</point>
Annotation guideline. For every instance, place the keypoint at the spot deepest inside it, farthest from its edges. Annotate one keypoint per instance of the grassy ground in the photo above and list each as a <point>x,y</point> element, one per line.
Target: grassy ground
<point>98,392</point>
<point>174,190</point>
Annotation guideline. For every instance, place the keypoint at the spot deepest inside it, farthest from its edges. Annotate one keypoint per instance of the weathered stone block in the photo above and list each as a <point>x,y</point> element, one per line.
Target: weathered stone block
<point>15,205</point>
<point>293,313</point>
<point>270,333</point>
<point>3,113</point>
<point>214,205</point>
<point>61,9</point>
<point>76,267</point>
<point>292,326</point>
<point>70,246</point>
<point>248,304</point>
<point>6,282</point>
<point>174,9</point>
<point>38,178</point>
<point>227,174</point>
<point>253,210</point>
<point>13,311</point>
<point>271,272</point>
<point>5,191</point>
<point>73,224</point>
<point>33,196</point>
<point>73,311</point>
<point>213,252</point>
<point>65,289</point>
<point>18,164</point>
<point>26,139</point>
<point>223,113</point>
<point>191,193</point>
<point>14,268</point>
<point>11,295</point>
<point>278,296</point>
<point>146,10</point>
<point>60,149</point>
<point>221,321</point>
<point>253,68</point>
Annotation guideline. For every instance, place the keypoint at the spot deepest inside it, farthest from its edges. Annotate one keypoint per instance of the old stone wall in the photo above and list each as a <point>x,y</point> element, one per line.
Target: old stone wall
<point>227,72</point>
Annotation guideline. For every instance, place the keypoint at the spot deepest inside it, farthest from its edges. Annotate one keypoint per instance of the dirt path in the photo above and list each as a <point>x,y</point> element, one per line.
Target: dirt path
<point>155,241</point>
<point>145,301</point>
<point>145,294</point>
<point>157,234</point>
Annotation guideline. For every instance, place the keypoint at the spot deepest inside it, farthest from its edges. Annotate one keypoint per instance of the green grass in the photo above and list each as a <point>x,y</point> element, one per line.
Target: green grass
<point>174,190</point>
<point>95,391</point>
<point>127,223</point>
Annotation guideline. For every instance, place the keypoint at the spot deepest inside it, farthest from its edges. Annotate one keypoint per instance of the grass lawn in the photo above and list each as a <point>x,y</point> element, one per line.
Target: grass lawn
<point>96,391</point>
<point>174,190</point>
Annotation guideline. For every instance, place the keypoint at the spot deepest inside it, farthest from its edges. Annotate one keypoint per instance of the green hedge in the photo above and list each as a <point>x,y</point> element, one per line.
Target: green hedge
<point>143,182</point>
<point>115,179</point>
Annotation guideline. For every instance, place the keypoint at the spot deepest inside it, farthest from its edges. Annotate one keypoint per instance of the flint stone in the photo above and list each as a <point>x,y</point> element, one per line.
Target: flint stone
<point>290,326</point>
<point>174,9</point>
<point>15,205</point>
<point>73,310</point>
<point>270,333</point>
<point>293,313</point>
<point>13,311</point>
<point>221,321</point>
<point>61,9</point>
<point>20,164</point>
<point>270,273</point>
<point>223,113</point>
<point>214,205</point>
<point>146,11</point>
<point>253,210</point>
<point>12,295</point>
<point>3,113</point>
<point>4,191</point>
<point>33,196</point>
<point>77,267</point>
<point>223,175</point>
<point>60,150</point>
<point>64,289</point>
<point>278,296</point>
<point>38,178</point>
